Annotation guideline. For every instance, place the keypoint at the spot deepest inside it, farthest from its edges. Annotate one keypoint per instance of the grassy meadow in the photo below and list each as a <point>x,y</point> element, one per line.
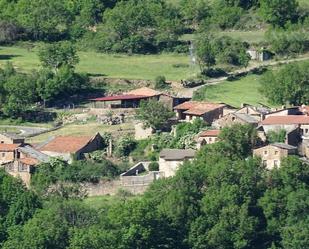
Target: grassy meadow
<point>245,90</point>
<point>145,67</point>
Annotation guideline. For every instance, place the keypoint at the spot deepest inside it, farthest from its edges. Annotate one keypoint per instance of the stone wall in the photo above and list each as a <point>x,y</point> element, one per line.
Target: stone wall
<point>134,184</point>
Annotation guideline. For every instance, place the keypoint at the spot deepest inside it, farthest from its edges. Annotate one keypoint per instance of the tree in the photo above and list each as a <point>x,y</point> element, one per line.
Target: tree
<point>56,55</point>
<point>204,50</point>
<point>21,93</point>
<point>154,114</point>
<point>288,85</point>
<point>276,136</point>
<point>239,140</point>
<point>194,11</point>
<point>43,19</point>
<point>160,82</point>
<point>9,32</point>
<point>279,12</point>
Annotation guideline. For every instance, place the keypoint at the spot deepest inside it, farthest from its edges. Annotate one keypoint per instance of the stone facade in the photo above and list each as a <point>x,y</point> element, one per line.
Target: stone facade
<point>273,154</point>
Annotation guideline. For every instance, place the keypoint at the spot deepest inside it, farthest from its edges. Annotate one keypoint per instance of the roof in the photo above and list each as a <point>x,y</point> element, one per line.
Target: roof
<point>144,91</point>
<point>120,97</point>
<point>284,146</point>
<point>246,117</point>
<point>8,147</point>
<point>286,120</point>
<point>198,108</point>
<point>66,144</point>
<point>34,154</point>
<point>177,154</point>
<point>29,161</point>
<point>210,133</point>
<point>11,135</point>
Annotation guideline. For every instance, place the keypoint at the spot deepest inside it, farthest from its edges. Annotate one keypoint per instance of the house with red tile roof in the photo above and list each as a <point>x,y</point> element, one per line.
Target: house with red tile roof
<point>133,98</point>
<point>191,110</point>
<point>71,147</point>
<point>24,163</point>
<point>207,137</point>
<point>288,123</point>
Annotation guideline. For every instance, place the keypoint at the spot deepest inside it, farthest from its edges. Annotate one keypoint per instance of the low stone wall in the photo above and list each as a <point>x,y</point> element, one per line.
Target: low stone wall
<point>112,187</point>
<point>134,184</point>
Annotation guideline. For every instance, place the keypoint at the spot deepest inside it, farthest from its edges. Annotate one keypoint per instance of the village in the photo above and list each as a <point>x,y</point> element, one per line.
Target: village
<point>21,158</point>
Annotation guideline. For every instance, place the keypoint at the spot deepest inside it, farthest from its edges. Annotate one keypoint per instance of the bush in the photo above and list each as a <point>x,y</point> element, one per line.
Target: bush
<point>160,82</point>
<point>125,146</point>
<point>153,166</point>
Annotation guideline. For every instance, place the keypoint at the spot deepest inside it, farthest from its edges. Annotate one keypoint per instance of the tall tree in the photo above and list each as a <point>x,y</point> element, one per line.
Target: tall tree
<point>279,12</point>
<point>59,54</point>
<point>154,114</point>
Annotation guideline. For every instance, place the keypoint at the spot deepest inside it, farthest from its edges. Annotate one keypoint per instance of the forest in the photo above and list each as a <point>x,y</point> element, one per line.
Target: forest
<point>222,199</point>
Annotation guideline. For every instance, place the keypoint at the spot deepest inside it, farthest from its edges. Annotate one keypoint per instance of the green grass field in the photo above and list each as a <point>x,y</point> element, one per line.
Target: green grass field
<point>234,93</point>
<point>146,67</point>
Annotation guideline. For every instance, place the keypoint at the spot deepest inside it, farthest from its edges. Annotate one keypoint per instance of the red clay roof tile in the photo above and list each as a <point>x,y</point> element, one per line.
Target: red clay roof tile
<point>67,144</point>
<point>8,147</point>
<point>286,120</point>
<point>210,133</point>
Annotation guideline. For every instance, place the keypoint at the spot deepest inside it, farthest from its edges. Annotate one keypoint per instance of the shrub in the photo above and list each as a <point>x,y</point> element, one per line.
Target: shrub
<point>153,166</point>
<point>125,146</point>
<point>160,82</point>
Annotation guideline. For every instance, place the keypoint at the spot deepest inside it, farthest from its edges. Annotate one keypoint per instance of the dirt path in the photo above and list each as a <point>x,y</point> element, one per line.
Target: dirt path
<point>188,92</point>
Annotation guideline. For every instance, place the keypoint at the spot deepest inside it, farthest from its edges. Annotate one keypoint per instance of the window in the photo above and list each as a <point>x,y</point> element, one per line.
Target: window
<point>233,118</point>
<point>23,167</point>
<point>276,163</point>
<point>210,139</point>
<point>276,152</point>
<point>265,152</point>
<point>306,130</point>
<point>2,142</point>
<point>3,154</point>
<point>264,162</point>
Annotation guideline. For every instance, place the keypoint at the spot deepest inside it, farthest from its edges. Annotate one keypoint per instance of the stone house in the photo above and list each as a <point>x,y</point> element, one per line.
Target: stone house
<point>71,147</point>
<point>10,138</point>
<point>285,112</point>
<point>25,161</point>
<point>235,118</point>
<point>259,54</point>
<point>191,110</point>
<point>132,99</point>
<point>171,159</point>
<point>272,154</point>
<point>288,123</point>
<point>256,112</point>
<point>8,145</point>
<point>8,152</point>
<point>207,137</point>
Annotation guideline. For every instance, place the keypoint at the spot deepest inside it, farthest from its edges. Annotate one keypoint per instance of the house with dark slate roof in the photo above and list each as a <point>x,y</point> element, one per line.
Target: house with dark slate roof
<point>273,154</point>
<point>171,159</point>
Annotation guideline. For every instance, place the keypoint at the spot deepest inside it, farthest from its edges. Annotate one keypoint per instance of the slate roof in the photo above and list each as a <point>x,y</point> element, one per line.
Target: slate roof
<point>177,154</point>
<point>12,135</point>
<point>210,133</point>
<point>286,120</point>
<point>284,146</point>
<point>66,144</point>
<point>246,117</point>
<point>34,154</point>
